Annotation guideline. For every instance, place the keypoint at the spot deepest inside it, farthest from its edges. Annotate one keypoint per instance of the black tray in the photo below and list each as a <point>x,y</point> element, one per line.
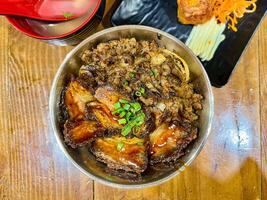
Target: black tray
<point>162,14</point>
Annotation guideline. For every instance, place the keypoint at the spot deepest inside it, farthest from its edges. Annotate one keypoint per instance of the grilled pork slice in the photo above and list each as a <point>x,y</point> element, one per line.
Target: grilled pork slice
<point>79,133</point>
<point>108,96</point>
<point>120,153</point>
<point>147,127</point>
<point>76,97</point>
<point>194,11</point>
<point>167,142</point>
<point>101,113</point>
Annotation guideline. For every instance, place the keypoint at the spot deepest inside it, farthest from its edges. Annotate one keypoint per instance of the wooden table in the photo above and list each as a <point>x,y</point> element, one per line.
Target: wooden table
<point>232,165</point>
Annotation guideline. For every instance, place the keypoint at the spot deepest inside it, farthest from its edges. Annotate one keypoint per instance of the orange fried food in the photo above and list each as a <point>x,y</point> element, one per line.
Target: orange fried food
<point>118,152</point>
<point>81,132</point>
<point>76,97</point>
<point>194,11</point>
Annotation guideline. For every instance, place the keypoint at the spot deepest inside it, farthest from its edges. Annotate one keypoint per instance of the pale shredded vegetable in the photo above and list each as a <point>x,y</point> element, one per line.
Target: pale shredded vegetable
<point>205,38</point>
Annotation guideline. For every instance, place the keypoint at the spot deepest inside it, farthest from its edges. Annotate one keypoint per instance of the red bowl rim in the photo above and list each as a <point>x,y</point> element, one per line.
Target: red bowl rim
<point>12,20</point>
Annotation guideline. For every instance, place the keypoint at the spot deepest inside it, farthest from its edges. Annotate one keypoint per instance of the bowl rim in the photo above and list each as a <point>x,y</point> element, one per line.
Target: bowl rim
<point>60,142</point>
<point>13,21</point>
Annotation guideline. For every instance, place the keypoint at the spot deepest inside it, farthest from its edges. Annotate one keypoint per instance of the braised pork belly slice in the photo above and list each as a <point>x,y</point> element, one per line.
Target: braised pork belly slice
<point>108,96</point>
<point>194,11</point>
<point>76,97</point>
<point>168,141</point>
<point>146,128</point>
<point>120,153</point>
<point>79,133</point>
<point>103,115</point>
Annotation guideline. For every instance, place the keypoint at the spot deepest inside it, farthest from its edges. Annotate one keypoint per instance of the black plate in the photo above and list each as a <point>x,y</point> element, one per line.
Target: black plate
<point>162,14</point>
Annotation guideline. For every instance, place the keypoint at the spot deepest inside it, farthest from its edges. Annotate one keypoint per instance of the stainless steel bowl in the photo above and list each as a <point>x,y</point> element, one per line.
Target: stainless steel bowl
<point>82,158</point>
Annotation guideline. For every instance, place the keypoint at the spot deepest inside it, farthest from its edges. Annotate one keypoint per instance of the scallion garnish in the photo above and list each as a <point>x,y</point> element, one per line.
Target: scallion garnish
<point>120,146</point>
<point>122,121</point>
<point>132,74</point>
<point>130,115</point>
<point>137,93</point>
<point>127,106</point>
<point>136,106</point>
<point>122,114</point>
<point>153,72</point>
<point>126,130</point>
<point>142,90</point>
<point>117,105</point>
<point>125,83</point>
<point>67,14</point>
<point>123,101</point>
<point>119,110</point>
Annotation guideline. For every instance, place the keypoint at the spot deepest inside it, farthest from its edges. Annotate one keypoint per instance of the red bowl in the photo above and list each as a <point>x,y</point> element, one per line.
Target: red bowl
<point>66,31</point>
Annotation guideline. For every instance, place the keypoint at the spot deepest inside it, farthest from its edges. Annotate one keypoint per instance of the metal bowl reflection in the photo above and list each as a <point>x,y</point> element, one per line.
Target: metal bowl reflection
<point>82,158</point>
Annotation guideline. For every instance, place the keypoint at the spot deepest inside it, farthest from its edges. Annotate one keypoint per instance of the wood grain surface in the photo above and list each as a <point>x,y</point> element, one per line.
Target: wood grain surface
<point>232,165</point>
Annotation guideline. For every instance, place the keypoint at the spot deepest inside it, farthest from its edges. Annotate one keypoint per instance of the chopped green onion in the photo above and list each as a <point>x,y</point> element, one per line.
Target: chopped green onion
<point>137,93</point>
<point>117,105</point>
<point>140,119</point>
<point>153,72</point>
<point>122,114</point>
<point>123,101</point>
<point>117,111</point>
<point>126,106</point>
<point>67,14</point>
<point>132,74</point>
<point>139,123</point>
<point>136,106</point>
<point>128,115</point>
<point>126,130</point>
<point>125,82</point>
<point>142,90</point>
<point>114,112</point>
<point>132,110</point>
<point>122,121</point>
<point>120,146</point>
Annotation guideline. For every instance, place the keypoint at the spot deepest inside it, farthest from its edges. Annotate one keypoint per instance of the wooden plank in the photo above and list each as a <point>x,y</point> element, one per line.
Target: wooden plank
<point>263,105</point>
<point>229,165</point>
<point>34,166</point>
<point>232,165</point>
<point>4,136</point>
